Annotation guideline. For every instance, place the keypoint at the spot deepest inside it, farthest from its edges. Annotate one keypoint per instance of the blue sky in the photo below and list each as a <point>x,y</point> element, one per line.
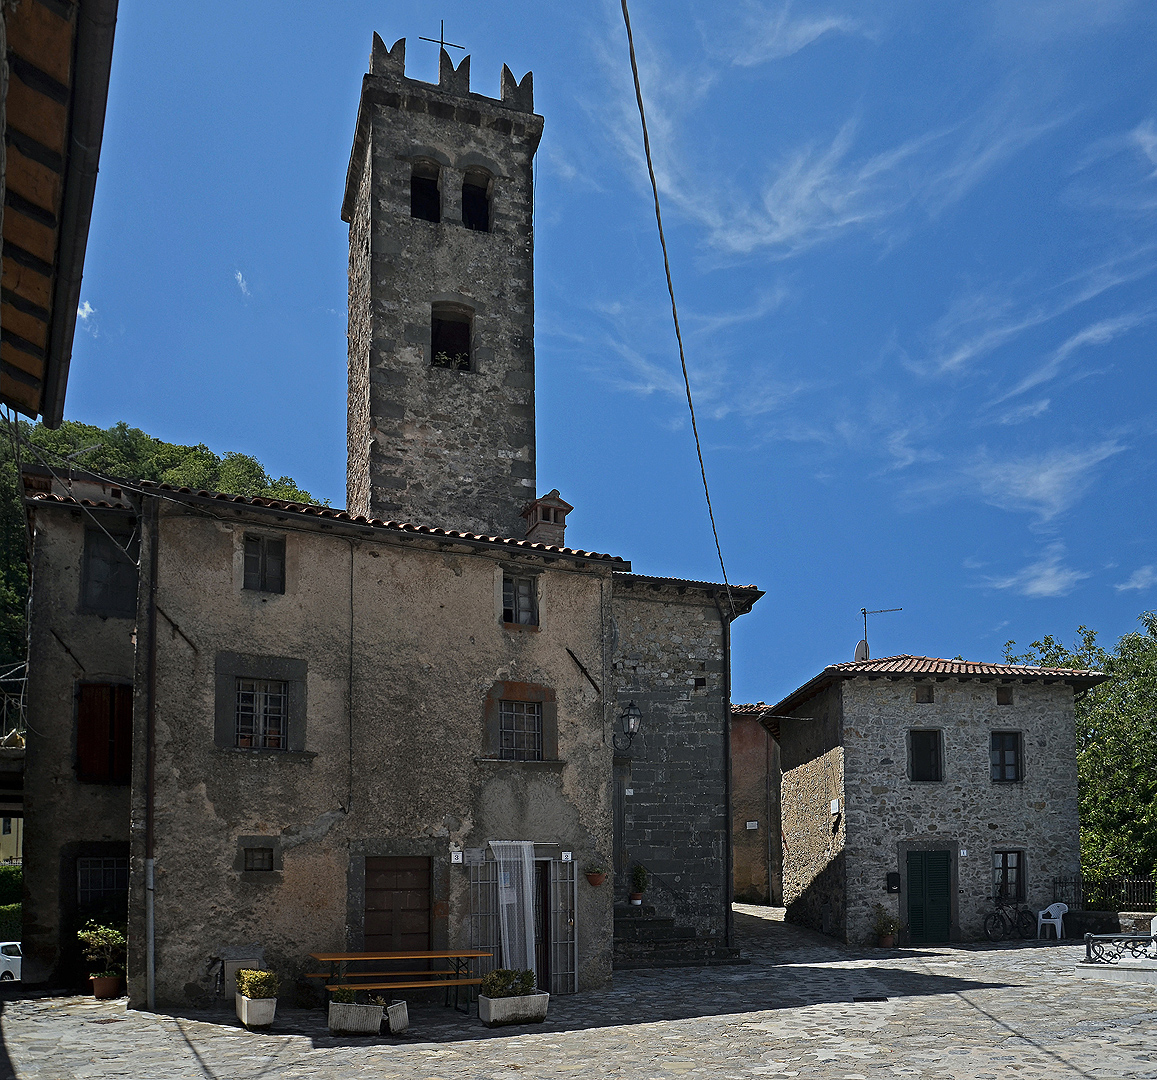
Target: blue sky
<point>914,244</point>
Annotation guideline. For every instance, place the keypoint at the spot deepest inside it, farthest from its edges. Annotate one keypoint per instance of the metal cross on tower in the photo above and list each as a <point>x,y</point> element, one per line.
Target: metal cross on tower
<point>440,40</point>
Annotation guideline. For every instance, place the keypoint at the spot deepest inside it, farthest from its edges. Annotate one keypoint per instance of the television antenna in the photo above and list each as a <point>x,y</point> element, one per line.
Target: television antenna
<point>862,648</point>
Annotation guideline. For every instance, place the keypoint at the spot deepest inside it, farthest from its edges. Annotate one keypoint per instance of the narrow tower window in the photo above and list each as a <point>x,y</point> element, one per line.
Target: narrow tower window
<point>476,201</point>
<point>425,197</point>
<point>450,338</point>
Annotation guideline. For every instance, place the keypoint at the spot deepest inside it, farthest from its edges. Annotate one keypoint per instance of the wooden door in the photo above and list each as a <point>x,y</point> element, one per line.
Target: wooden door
<point>929,895</point>
<point>397,904</point>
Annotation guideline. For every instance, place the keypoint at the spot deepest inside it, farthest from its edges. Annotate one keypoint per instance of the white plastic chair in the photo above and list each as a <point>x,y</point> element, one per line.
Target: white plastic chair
<point>1054,916</point>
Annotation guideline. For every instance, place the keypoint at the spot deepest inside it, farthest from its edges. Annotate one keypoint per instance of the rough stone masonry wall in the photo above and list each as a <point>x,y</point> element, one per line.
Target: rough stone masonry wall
<point>65,819</point>
<point>812,760</point>
<point>966,811</point>
<point>360,332</point>
<point>443,447</point>
<point>676,820</point>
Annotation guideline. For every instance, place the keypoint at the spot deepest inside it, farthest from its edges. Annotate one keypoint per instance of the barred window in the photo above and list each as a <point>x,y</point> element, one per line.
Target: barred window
<point>518,601</point>
<point>1005,755</point>
<point>101,883</point>
<point>520,730</point>
<point>262,714</point>
<point>1008,874</point>
<point>259,858</point>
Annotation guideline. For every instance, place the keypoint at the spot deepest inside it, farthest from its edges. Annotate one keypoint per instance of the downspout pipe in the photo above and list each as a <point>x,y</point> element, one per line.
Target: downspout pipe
<point>729,855</point>
<point>151,762</point>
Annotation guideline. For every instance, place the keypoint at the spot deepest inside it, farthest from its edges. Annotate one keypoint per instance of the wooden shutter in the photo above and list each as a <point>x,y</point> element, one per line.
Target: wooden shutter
<point>122,734</point>
<point>92,731</point>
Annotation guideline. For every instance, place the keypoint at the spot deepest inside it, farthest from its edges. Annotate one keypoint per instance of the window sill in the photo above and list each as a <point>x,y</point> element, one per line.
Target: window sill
<point>261,751</point>
<point>523,628</point>
<point>549,763</point>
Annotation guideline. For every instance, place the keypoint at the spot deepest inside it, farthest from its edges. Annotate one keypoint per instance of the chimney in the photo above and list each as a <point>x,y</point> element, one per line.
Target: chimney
<point>546,519</point>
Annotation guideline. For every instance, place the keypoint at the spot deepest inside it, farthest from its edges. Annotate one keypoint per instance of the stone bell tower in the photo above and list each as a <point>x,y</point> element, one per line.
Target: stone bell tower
<point>439,200</point>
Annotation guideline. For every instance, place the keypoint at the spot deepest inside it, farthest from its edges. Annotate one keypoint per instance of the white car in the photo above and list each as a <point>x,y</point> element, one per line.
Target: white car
<point>9,960</point>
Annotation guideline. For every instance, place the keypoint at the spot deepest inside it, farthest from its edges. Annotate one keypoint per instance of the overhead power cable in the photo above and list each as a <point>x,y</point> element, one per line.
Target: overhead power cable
<point>674,306</point>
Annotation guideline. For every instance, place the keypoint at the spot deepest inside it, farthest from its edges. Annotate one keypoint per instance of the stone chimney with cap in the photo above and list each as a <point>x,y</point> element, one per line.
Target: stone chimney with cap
<point>546,519</point>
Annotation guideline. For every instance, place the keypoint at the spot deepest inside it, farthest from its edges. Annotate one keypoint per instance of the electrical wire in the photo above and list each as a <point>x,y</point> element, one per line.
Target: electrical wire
<point>674,308</point>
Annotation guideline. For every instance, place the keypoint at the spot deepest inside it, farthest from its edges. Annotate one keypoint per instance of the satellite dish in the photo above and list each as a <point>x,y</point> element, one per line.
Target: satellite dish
<point>862,650</point>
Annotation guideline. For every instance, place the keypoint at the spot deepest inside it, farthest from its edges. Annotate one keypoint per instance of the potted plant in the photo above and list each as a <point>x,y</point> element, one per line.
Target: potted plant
<point>347,1017</point>
<point>884,927</point>
<point>397,1013</point>
<point>596,874</point>
<point>104,946</point>
<point>509,997</point>
<point>640,879</point>
<point>256,997</point>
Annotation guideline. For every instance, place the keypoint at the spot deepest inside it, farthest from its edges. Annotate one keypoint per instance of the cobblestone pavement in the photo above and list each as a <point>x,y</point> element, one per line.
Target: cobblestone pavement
<point>968,1012</point>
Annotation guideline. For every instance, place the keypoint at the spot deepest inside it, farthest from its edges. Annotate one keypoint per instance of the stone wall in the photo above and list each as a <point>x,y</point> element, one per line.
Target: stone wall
<point>887,813</point>
<point>676,820</point>
<point>65,819</point>
<point>757,868</point>
<point>442,447</point>
<point>812,763</point>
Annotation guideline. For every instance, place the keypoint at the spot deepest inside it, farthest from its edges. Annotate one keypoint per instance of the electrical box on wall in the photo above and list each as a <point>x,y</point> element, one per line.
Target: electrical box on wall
<point>893,880</point>
<point>835,807</point>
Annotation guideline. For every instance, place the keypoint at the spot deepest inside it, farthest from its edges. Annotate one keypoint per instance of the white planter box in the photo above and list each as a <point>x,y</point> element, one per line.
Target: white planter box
<point>355,1019</point>
<point>529,1009</point>
<point>398,1013</point>
<point>255,1012</point>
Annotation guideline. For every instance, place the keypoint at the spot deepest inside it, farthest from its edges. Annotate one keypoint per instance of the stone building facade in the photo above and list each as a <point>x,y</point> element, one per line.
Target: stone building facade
<point>259,721</point>
<point>924,785</point>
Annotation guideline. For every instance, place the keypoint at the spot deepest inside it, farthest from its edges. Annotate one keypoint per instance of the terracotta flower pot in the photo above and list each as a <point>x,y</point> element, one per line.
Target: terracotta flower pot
<point>886,941</point>
<point>596,879</point>
<point>636,898</point>
<point>106,986</point>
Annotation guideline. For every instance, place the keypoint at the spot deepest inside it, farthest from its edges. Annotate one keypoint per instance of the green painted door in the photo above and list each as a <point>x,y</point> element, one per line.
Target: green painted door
<point>929,896</point>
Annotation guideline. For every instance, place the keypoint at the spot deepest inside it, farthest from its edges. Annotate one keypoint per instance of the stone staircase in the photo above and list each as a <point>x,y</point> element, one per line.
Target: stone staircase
<point>644,939</point>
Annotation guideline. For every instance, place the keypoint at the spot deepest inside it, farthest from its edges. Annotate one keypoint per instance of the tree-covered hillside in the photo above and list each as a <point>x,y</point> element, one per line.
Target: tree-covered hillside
<point>120,451</point>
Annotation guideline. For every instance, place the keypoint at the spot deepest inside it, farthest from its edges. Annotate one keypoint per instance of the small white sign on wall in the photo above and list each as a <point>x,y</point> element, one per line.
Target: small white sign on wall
<point>455,856</point>
<point>630,791</point>
<point>964,853</point>
<point>567,856</point>
<point>753,824</point>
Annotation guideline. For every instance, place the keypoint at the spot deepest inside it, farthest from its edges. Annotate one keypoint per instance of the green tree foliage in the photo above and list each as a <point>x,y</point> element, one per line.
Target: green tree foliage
<point>119,451</point>
<point>1116,746</point>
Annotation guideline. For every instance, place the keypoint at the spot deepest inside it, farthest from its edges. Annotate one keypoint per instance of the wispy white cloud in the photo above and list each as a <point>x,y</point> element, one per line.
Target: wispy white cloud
<point>1048,576</point>
<point>242,284</point>
<point>86,313</point>
<point>1045,484</point>
<point>1142,579</point>
<point>765,32</point>
<point>1101,332</point>
<point>1044,21</point>
<point>1119,171</point>
<point>1022,413</point>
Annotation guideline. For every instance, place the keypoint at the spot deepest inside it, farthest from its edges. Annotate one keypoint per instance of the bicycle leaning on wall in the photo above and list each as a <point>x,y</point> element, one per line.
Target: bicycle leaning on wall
<point>1008,917</point>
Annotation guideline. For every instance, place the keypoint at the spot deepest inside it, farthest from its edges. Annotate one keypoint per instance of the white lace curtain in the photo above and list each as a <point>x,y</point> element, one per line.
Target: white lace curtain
<point>515,860</point>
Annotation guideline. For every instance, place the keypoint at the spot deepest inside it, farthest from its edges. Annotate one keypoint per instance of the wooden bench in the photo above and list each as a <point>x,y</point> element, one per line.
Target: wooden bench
<point>457,972</point>
<point>424,984</point>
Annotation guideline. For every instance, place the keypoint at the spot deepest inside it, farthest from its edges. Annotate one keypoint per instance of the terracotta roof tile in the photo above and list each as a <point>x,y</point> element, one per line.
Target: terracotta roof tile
<point>329,512</point>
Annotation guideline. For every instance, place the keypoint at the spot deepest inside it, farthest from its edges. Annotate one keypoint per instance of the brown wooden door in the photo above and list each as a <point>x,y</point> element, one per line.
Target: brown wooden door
<point>397,904</point>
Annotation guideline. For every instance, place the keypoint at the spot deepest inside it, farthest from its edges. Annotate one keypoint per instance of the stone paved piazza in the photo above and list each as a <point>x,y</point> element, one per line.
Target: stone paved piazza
<point>972,1012</point>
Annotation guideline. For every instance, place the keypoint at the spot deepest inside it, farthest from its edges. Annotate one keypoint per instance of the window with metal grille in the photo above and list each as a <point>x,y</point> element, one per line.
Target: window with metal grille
<point>265,563</point>
<point>519,601</point>
<point>1008,874</point>
<point>259,858</point>
<point>104,733</point>
<point>109,580</point>
<point>476,201</point>
<point>1005,755</point>
<point>262,714</point>
<point>520,730</point>
<point>450,338</point>
<point>924,755</point>
<point>102,884</point>
<point>425,195</point>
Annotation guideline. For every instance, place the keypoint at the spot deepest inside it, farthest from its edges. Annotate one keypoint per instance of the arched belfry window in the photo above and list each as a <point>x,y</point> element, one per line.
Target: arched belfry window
<point>451,328</point>
<point>425,193</point>
<point>476,190</point>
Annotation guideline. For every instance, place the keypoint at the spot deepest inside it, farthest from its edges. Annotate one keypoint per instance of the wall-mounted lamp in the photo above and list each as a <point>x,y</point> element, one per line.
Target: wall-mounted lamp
<point>631,719</point>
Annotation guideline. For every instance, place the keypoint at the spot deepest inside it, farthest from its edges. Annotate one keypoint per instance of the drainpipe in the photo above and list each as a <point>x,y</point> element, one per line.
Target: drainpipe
<point>151,763</point>
<point>729,859</point>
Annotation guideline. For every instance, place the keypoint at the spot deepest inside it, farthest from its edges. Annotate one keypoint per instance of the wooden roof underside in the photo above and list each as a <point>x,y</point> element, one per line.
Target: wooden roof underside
<point>59,52</point>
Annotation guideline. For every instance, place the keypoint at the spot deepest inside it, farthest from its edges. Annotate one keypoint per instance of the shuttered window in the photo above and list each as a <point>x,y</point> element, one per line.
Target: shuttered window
<point>104,733</point>
<point>925,755</point>
<point>265,563</point>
